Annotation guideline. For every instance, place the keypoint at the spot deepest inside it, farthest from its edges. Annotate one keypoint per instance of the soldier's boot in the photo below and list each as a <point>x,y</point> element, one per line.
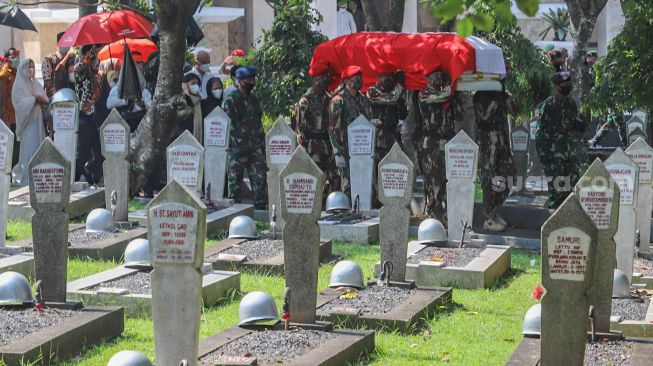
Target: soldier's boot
<point>493,225</point>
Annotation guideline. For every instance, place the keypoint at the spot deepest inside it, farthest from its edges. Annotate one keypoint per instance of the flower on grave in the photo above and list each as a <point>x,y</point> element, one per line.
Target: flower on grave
<point>537,292</point>
<point>39,306</point>
<point>436,259</point>
<point>286,316</point>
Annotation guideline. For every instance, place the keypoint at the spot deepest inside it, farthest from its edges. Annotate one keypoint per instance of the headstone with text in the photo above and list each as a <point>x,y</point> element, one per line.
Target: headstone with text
<point>280,144</point>
<point>185,158</point>
<point>114,137</point>
<point>461,159</point>
<point>301,184</point>
<point>6,155</point>
<point>176,231</point>
<point>519,143</point>
<point>361,136</point>
<point>216,144</point>
<point>625,173</point>
<point>49,190</point>
<point>396,178</point>
<point>635,134</point>
<point>642,155</point>
<point>65,122</point>
<point>569,246</point>
<point>599,196</point>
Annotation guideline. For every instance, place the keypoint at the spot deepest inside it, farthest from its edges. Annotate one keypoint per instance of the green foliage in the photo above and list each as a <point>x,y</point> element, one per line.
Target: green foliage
<point>558,21</point>
<point>283,56</point>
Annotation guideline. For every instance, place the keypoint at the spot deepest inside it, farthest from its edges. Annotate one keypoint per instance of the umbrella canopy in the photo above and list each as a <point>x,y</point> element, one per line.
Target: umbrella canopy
<point>194,33</point>
<point>116,50</point>
<point>129,86</point>
<point>15,18</point>
<point>106,27</point>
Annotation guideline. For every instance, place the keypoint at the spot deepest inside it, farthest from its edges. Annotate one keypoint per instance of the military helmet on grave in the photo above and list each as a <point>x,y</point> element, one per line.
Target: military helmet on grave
<point>337,201</point>
<point>431,231</point>
<point>129,358</point>
<point>257,306</point>
<point>620,284</point>
<point>15,289</point>
<point>347,273</point>
<point>242,227</point>
<point>100,221</point>
<point>137,254</point>
<point>533,321</point>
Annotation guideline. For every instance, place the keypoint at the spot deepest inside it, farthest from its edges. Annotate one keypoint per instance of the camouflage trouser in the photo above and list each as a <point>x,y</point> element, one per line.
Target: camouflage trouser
<point>563,174</point>
<point>343,183</point>
<point>256,168</point>
<point>432,165</point>
<point>327,165</point>
<point>496,167</point>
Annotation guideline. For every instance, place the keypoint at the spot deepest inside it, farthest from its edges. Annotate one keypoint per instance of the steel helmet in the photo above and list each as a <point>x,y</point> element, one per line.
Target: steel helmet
<point>347,273</point>
<point>242,227</point>
<point>337,201</point>
<point>100,221</point>
<point>533,321</point>
<point>137,254</point>
<point>620,284</point>
<point>129,358</point>
<point>257,306</point>
<point>15,289</point>
<point>431,231</point>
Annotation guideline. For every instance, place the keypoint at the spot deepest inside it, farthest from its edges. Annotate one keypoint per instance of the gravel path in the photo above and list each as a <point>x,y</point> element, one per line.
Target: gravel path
<point>371,300</point>
<point>643,266</point>
<point>138,283</point>
<point>255,249</point>
<point>80,238</point>
<point>454,257</point>
<point>608,353</point>
<point>271,347</point>
<point>631,309</point>
<point>18,323</point>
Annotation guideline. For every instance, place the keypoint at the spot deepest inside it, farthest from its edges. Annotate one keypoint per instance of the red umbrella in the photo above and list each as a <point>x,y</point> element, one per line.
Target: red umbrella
<point>106,27</point>
<point>144,47</point>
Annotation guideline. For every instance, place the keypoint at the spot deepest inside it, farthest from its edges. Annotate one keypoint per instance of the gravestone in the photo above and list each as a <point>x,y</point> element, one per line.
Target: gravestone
<point>599,196</point>
<point>6,155</point>
<point>625,173</point>
<point>519,143</point>
<point>534,165</point>
<point>396,177</point>
<point>49,192</point>
<point>216,144</point>
<point>361,137</point>
<point>642,155</point>
<point>280,143</point>
<point>634,123</point>
<point>114,136</point>
<point>636,134</point>
<point>461,155</point>
<point>569,246</point>
<point>65,121</point>
<point>185,157</point>
<point>301,184</point>
<point>176,231</point>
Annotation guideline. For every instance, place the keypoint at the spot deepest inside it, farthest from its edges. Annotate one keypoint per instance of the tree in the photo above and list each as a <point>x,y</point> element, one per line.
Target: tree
<point>395,16</point>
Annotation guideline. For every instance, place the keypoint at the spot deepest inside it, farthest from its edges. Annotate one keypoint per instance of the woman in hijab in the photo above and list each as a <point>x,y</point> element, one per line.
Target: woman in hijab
<point>29,99</point>
<point>214,98</point>
<point>191,86</point>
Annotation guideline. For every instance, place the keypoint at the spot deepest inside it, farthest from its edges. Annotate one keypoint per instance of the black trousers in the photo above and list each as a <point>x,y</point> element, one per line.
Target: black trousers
<point>89,152</point>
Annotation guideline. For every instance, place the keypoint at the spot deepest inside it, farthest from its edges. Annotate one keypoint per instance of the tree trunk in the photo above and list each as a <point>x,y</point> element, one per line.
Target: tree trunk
<point>85,8</point>
<point>169,108</point>
<point>371,16</point>
<point>396,15</point>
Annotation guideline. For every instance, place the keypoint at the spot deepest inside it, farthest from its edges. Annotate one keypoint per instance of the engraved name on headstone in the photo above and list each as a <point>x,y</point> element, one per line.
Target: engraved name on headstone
<point>6,155</point>
<point>185,157</point>
<point>361,141</point>
<point>65,121</point>
<point>642,155</point>
<point>461,156</point>
<point>280,143</point>
<point>114,137</point>
<point>216,144</point>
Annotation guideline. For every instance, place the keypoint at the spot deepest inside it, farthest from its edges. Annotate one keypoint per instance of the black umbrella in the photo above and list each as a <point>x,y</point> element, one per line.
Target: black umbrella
<point>15,18</point>
<point>129,86</point>
<point>194,33</point>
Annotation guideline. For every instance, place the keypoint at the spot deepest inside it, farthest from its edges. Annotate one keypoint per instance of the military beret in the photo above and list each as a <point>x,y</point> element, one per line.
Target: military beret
<point>549,47</point>
<point>238,52</point>
<point>351,71</point>
<point>561,77</point>
<point>318,68</point>
<point>593,54</point>
<point>245,72</point>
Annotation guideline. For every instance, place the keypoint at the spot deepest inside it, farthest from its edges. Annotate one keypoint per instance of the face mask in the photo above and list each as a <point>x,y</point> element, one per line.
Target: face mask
<point>31,72</point>
<point>565,90</point>
<point>71,77</point>
<point>358,84</point>
<point>217,93</point>
<point>387,84</point>
<point>343,9</point>
<point>248,86</point>
<point>64,50</point>
<point>205,68</point>
<point>194,89</point>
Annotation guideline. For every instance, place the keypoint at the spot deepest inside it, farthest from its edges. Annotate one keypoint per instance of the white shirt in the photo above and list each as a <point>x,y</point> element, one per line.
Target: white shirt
<point>204,79</point>
<point>114,102</point>
<point>346,23</point>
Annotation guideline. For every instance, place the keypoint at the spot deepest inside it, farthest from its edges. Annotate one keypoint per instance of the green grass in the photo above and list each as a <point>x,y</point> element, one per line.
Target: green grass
<point>135,206</point>
<point>18,230</point>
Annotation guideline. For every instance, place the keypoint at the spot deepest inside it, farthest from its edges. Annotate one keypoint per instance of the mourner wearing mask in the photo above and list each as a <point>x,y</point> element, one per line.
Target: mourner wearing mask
<point>191,87</point>
<point>132,110</point>
<point>203,71</point>
<point>58,69</point>
<point>215,96</point>
<point>346,22</point>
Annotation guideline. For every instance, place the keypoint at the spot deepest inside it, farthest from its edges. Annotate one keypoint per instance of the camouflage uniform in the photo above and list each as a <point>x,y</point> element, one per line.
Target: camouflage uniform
<point>387,108</point>
<point>555,145</point>
<point>614,120</point>
<point>495,158</point>
<point>246,146</point>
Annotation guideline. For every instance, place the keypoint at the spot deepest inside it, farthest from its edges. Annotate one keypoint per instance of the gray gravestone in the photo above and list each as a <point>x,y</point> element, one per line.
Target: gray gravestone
<point>280,143</point>
<point>49,192</point>
<point>641,114</point>
<point>625,173</point>
<point>569,245</point>
<point>634,123</point>
<point>6,155</point>
<point>599,196</point>
<point>461,155</point>
<point>642,155</point>
<point>301,185</point>
<point>216,144</point>
<point>65,121</point>
<point>114,137</point>
<point>519,143</point>
<point>185,158</point>
<point>361,136</point>
<point>176,231</point>
<point>636,134</point>
<point>534,165</point>
<point>396,177</point>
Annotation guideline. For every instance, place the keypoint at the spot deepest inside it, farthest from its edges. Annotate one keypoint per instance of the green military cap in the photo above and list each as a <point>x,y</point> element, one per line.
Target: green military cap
<point>593,54</point>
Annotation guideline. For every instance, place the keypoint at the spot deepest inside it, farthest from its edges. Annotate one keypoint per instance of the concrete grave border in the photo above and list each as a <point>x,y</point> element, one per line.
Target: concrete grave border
<point>81,203</point>
<point>364,232</point>
<point>634,328</point>
<point>22,263</point>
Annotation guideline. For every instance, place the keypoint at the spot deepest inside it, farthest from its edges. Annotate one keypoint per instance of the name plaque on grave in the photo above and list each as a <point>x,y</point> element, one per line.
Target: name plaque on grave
<point>48,182</point>
<point>300,192</point>
<point>519,141</point>
<point>63,115</point>
<point>624,177</point>
<point>185,164</point>
<point>4,140</point>
<point>568,249</point>
<point>216,133</point>
<point>115,137</point>
<point>280,149</point>
<point>174,230</point>
<point>360,141</point>
<point>460,163</point>
<point>394,179</point>
<point>533,129</point>
<point>598,205</point>
<point>644,161</point>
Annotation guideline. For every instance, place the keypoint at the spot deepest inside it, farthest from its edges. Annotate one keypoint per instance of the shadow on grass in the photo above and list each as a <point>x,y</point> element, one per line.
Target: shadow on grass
<point>506,279</point>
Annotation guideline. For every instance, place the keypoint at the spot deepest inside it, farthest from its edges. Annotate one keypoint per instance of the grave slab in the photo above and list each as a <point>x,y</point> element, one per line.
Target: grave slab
<point>280,143</point>
<point>81,203</point>
<point>461,156</point>
<point>361,139</point>
<point>22,263</point>
<point>634,328</point>
<point>360,232</point>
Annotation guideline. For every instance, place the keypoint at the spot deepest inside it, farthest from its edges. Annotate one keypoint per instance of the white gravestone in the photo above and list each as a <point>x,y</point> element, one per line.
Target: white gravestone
<point>534,179</point>
<point>65,121</point>
<point>361,140</point>
<point>176,232</point>
<point>216,144</point>
<point>625,172</point>
<point>6,155</point>
<point>642,155</point>
<point>634,123</point>
<point>461,156</point>
<point>185,158</point>
<point>280,143</point>
<point>519,140</point>
<point>636,134</point>
<point>114,137</point>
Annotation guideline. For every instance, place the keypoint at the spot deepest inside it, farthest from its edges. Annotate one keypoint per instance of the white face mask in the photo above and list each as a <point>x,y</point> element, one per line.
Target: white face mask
<point>217,93</point>
<point>205,68</point>
<point>194,89</point>
<point>71,77</point>
<point>343,9</point>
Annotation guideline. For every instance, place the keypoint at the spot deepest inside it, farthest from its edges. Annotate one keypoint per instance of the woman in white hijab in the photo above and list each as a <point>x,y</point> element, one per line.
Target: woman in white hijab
<point>28,98</point>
